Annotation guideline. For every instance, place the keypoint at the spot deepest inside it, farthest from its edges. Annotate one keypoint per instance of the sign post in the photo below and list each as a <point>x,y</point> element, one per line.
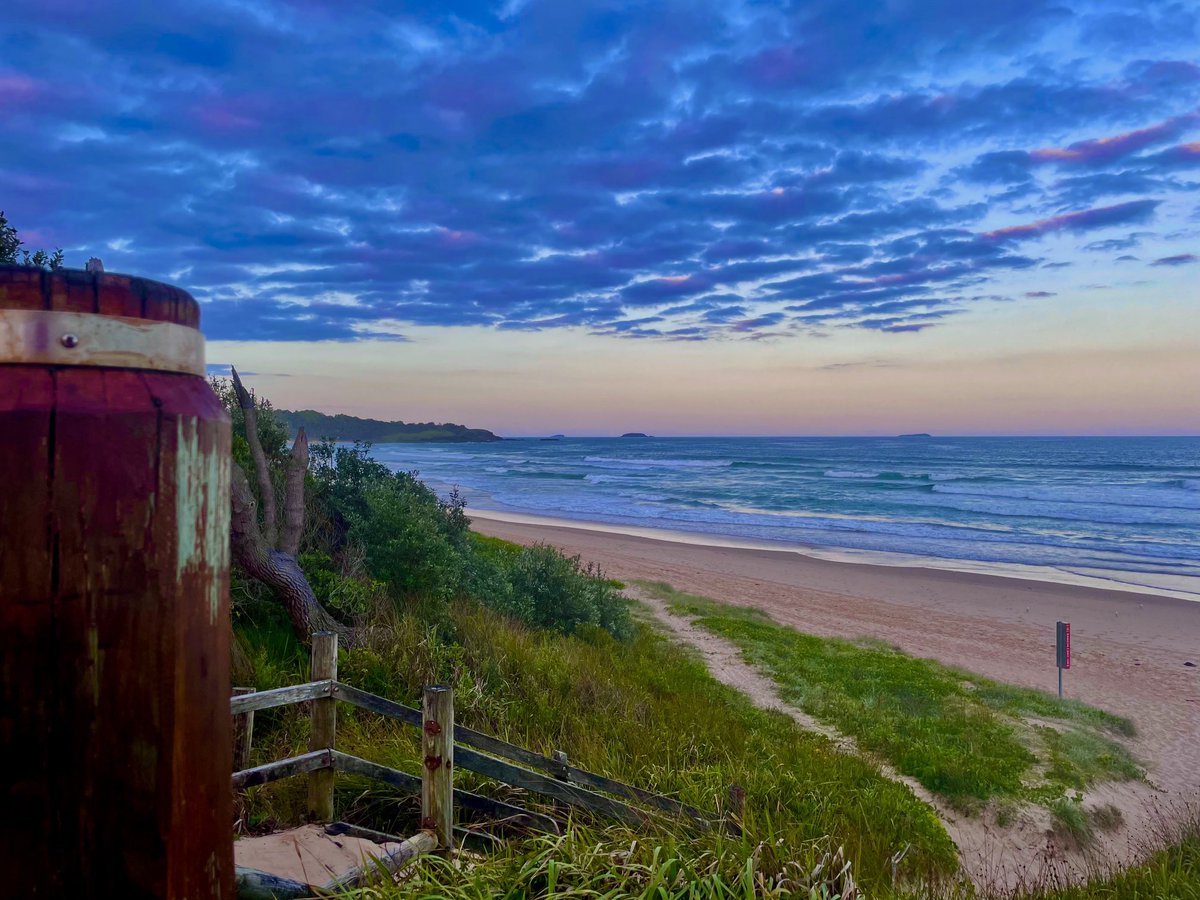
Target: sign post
<point>1063,650</point>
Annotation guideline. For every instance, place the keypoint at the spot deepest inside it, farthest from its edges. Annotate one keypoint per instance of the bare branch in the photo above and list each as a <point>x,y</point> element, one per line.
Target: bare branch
<point>293,498</point>
<point>270,516</point>
<point>278,571</point>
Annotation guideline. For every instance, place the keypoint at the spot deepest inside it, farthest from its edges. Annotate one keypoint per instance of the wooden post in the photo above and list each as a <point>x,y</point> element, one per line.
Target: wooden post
<point>323,727</point>
<point>114,593</point>
<point>737,802</point>
<point>243,733</point>
<point>562,773</point>
<point>437,774</point>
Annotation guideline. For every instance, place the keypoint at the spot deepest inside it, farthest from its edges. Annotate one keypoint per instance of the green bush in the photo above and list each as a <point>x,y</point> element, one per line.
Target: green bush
<point>551,590</point>
<point>343,594</point>
<point>410,539</point>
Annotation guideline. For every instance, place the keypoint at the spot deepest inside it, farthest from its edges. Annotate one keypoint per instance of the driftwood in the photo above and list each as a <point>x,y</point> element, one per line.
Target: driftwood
<point>258,548</point>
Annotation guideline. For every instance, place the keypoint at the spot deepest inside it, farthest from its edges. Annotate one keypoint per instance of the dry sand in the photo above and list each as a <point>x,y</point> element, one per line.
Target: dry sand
<point>1128,649</point>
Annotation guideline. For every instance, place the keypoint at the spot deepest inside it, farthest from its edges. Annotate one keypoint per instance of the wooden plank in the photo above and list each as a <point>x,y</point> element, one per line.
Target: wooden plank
<point>437,773</point>
<point>284,696</point>
<point>375,704</point>
<point>467,838</point>
<point>255,884</point>
<point>561,770</point>
<point>283,768</point>
<point>500,812</point>
<point>323,726</point>
<point>663,804</point>
<point>243,733</point>
<point>505,750</point>
<point>384,866</point>
<point>496,747</point>
<point>550,787</point>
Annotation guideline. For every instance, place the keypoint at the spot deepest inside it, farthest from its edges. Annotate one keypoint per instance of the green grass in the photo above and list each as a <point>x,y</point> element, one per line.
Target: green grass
<point>963,737</point>
<point>644,711</point>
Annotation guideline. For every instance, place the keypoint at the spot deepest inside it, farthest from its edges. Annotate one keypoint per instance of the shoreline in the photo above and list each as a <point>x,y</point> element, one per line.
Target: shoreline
<point>1130,650</point>
<point>1110,581</point>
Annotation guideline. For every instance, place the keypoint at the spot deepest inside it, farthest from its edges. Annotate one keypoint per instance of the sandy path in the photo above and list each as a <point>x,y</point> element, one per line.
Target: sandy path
<point>990,855</point>
<point>1129,652</point>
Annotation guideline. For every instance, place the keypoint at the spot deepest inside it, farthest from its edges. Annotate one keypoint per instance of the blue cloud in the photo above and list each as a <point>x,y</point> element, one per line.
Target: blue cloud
<point>670,171</point>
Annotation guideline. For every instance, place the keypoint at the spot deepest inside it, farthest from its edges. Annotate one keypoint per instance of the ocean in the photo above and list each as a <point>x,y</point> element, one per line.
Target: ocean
<point>1119,511</point>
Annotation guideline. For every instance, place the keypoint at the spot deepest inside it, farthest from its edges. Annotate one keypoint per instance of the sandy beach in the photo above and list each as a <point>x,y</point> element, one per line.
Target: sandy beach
<point>1129,650</point>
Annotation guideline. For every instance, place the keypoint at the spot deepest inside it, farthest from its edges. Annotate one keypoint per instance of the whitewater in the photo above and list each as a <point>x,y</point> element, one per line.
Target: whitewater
<point>1125,510</point>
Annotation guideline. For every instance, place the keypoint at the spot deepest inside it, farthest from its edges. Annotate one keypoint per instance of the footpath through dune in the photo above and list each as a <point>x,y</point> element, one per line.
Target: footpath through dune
<point>998,858</point>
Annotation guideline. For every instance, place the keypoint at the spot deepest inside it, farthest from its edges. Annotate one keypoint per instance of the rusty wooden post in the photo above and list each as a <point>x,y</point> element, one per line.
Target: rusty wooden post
<point>114,593</point>
<point>437,774</point>
<point>243,733</point>
<point>322,726</point>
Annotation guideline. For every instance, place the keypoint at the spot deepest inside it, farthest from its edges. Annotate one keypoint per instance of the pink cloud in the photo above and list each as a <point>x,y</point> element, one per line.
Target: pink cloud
<point>1118,145</point>
<point>1099,217</point>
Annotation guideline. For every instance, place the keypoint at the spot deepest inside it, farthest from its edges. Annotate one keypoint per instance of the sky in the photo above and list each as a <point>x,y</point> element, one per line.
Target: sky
<point>681,218</point>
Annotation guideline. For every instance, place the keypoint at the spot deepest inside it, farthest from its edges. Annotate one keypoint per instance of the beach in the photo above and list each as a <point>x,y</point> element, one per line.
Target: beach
<point>1129,650</point>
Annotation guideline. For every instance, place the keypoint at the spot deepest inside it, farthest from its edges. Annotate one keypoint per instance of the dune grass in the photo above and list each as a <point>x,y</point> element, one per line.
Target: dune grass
<point>643,710</point>
<point>965,738</point>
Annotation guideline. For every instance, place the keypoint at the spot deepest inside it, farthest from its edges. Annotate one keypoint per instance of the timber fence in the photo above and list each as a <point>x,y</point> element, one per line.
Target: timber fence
<point>445,747</point>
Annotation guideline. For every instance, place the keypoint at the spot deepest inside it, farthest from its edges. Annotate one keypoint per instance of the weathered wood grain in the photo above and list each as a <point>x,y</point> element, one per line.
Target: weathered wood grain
<point>114,643</point>
<point>322,726</point>
<point>283,768</point>
<point>255,884</point>
<point>497,811</point>
<point>284,696</point>
<point>550,787</point>
<point>560,769</point>
<point>243,733</point>
<point>437,771</point>
<point>376,704</point>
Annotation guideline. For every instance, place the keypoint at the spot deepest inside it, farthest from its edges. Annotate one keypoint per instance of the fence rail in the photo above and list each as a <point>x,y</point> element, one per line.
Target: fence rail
<point>446,746</point>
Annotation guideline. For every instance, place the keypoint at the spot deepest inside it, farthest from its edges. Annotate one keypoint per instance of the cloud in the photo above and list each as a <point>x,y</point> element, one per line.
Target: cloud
<point>1085,220</point>
<point>1117,146</point>
<point>669,171</point>
<point>1179,259</point>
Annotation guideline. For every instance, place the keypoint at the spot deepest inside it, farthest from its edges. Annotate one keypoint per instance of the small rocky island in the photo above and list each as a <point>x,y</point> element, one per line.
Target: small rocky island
<point>635,434</point>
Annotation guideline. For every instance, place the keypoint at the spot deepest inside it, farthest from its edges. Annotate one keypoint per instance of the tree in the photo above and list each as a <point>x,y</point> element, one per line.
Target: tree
<point>269,551</point>
<point>11,253</point>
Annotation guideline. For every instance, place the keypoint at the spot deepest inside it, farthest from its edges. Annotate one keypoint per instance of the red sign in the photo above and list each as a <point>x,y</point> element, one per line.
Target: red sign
<point>1063,645</point>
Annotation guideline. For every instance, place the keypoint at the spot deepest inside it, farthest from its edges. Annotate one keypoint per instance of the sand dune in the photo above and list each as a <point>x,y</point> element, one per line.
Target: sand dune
<point>1130,650</point>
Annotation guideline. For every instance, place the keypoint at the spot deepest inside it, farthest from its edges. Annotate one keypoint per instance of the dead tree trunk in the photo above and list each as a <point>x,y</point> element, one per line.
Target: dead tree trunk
<point>254,545</point>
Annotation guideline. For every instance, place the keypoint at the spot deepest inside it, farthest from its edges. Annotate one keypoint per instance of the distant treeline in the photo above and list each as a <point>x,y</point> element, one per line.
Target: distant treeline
<point>351,428</point>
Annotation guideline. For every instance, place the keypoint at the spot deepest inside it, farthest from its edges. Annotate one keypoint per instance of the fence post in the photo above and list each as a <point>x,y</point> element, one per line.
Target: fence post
<point>736,809</point>
<point>323,726</point>
<point>437,775</point>
<point>243,733</point>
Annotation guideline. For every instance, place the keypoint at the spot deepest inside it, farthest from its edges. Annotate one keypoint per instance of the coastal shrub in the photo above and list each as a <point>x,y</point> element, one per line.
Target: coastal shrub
<point>409,539</point>
<point>349,596</point>
<point>551,590</point>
